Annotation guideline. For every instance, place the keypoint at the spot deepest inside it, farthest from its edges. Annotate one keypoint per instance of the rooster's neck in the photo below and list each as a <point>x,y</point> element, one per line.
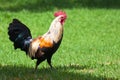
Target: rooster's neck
<point>55,32</point>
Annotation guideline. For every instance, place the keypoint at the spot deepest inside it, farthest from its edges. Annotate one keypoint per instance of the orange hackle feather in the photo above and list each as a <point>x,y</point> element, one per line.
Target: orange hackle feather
<point>45,43</point>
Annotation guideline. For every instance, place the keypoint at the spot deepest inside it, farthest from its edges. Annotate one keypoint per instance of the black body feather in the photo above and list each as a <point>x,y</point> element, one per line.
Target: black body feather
<point>20,35</point>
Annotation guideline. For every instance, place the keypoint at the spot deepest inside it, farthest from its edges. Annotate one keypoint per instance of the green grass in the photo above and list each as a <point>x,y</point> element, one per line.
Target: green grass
<point>90,49</point>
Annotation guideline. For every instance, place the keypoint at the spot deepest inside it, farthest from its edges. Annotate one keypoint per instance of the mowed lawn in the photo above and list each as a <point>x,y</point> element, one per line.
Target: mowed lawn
<point>90,49</point>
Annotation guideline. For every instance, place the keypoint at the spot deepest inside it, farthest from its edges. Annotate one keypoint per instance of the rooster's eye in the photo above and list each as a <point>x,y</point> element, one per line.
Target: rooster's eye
<point>62,17</point>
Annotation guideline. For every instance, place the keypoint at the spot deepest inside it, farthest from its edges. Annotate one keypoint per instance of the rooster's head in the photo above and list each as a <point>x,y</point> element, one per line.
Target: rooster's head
<point>62,16</point>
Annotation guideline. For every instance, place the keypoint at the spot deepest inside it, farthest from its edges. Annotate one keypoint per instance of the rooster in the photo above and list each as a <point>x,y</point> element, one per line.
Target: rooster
<point>42,47</point>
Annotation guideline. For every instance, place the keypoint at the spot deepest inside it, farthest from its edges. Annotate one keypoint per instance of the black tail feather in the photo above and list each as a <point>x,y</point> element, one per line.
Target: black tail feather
<point>19,34</point>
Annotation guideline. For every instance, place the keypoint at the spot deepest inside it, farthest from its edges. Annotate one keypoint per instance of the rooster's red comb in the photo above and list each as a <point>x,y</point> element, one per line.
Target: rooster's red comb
<point>58,13</point>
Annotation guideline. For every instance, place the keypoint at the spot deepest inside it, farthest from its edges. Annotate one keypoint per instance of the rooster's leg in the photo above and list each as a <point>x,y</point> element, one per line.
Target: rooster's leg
<point>49,61</point>
<point>36,66</point>
<point>38,62</point>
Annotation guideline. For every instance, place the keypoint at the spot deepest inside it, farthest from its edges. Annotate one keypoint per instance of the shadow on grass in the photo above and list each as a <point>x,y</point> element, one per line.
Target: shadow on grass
<point>59,73</point>
<point>45,5</point>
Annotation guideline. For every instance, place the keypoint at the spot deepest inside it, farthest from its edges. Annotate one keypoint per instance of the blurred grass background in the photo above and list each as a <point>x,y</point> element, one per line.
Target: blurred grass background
<point>90,49</point>
<point>45,5</point>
